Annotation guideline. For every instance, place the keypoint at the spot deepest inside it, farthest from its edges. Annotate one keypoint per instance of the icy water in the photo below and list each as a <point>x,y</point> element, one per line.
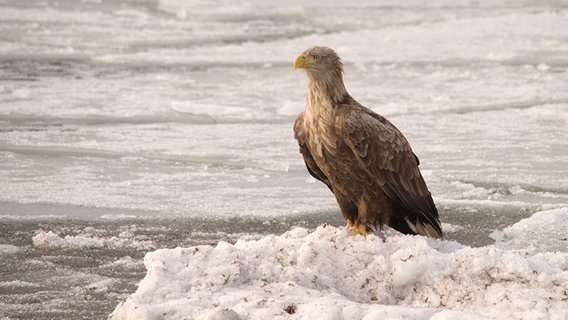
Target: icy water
<point>128,126</point>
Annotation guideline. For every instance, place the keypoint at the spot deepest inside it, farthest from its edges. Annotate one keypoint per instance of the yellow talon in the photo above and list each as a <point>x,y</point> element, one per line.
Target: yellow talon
<point>360,229</point>
<point>357,229</point>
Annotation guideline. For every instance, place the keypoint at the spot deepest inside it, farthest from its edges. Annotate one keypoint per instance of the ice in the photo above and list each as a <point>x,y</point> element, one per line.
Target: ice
<point>6,249</point>
<point>17,284</point>
<point>127,263</point>
<point>136,106</point>
<point>331,274</point>
<point>543,231</point>
<point>88,240</point>
<point>204,109</point>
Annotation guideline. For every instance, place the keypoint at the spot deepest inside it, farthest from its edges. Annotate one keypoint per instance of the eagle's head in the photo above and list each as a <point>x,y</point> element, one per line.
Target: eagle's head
<point>325,73</point>
<point>318,60</point>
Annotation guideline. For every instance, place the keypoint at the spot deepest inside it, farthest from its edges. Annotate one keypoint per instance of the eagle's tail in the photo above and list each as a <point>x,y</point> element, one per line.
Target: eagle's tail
<point>432,230</point>
<point>423,223</point>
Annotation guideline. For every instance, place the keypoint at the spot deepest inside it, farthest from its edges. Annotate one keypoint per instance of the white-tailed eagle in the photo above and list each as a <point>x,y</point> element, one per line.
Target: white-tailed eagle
<point>363,158</point>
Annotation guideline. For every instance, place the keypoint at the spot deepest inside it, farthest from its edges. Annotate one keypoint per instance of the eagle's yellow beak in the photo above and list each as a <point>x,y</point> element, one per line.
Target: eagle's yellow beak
<point>302,61</point>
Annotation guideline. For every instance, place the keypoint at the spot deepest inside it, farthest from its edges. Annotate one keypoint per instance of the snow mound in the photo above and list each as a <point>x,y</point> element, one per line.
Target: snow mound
<point>331,274</point>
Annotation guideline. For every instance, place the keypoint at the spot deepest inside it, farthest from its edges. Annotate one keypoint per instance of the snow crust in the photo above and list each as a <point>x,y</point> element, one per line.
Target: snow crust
<point>331,274</point>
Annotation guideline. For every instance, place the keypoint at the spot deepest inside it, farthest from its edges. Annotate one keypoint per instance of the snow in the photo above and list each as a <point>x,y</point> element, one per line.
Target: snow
<point>331,274</point>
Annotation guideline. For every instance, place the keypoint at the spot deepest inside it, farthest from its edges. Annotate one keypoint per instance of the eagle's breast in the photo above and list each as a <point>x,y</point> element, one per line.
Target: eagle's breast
<point>322,134</point>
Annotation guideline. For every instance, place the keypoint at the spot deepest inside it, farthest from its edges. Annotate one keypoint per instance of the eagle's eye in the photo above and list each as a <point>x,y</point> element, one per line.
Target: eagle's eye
<point>316,57</point>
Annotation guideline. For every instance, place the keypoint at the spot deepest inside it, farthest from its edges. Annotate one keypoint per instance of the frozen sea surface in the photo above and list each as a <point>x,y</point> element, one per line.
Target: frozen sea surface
<point>132,126</point>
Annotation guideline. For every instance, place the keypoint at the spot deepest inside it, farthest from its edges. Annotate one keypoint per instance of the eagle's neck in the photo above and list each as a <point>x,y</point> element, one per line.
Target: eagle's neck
<point>325,97</point>
<point>326,91</point>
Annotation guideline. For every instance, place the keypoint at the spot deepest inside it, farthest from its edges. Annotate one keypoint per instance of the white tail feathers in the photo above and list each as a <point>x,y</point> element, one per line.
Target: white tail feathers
<point>423,229</point>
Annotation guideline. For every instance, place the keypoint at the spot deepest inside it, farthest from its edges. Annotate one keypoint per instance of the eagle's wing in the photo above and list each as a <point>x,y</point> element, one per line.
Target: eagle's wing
<point>383,151</point>
<point>313,169</point>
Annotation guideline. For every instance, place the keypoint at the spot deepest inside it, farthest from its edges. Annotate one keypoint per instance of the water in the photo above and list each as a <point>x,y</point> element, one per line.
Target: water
<point>128,126</point>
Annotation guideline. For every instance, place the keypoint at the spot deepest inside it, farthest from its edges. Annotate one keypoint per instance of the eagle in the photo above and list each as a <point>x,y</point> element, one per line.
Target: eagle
<point>364,160</point>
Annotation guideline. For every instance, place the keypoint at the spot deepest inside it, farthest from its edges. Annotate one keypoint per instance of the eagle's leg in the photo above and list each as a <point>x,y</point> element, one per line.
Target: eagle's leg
<point>357,228</point>
<point>350,214</point>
